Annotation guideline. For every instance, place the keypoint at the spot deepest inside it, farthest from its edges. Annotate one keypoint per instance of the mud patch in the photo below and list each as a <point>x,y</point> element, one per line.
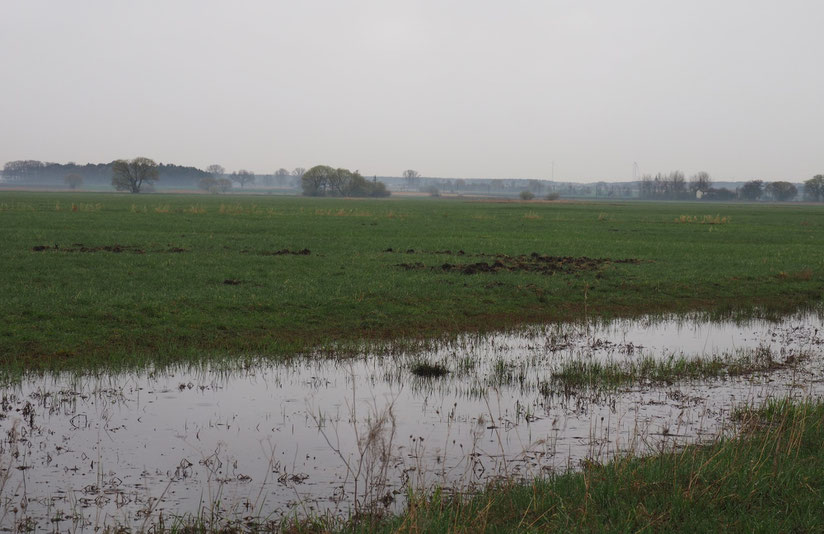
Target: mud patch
<point>116,249</point>
<point>79,247</point>
<point>536,263</point>
<point>417,266</point>
<point>281,252</point>
<point>444,252</point>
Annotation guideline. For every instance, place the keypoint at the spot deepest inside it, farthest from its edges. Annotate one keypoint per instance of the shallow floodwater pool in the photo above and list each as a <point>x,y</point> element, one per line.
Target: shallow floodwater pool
<point>321,436</point>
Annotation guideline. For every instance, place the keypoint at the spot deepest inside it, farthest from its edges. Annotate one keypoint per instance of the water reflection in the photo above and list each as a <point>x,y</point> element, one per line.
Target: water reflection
<point>328,436</point>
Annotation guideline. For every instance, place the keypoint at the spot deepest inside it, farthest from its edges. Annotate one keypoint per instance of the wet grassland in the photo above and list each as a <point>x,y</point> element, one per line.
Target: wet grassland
<point>242,363</point>
<point>107,280</point>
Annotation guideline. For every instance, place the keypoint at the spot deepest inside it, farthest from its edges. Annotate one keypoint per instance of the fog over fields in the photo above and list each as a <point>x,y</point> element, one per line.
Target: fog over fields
<point>570,90</point>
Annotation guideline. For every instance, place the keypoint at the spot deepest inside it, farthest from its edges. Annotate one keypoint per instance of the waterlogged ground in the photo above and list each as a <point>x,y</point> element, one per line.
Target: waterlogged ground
<point>321,436</point>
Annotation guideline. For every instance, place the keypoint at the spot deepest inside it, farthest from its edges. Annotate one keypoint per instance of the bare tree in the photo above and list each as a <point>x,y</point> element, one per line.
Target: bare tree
<point>412,177</point>
<point>700,182</point>
<point>132,175</point>
<point>222,185</point>
<point>646,188</point>
<point>243,177</point>
<point>217,171</point>
<point>207,183</point>
<point>676,184</point>
<point>281,176</point>
<point>73,181</point>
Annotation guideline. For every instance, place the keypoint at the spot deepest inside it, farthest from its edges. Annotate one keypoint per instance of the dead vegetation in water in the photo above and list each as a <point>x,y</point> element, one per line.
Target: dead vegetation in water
<point>650,370</point>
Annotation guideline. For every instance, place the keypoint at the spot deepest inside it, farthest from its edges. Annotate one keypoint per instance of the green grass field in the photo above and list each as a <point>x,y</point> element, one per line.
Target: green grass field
<point>104,279</point>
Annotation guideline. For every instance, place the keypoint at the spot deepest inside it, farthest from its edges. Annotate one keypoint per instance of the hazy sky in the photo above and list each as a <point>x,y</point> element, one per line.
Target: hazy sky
<point>450,88</point>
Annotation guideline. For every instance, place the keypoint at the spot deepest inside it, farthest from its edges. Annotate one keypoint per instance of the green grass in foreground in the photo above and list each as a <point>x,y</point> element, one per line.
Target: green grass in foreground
<point>154,278</point>
<point>769,479</point>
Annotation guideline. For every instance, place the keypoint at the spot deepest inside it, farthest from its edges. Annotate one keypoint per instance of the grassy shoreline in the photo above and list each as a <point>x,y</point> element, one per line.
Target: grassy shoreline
<point>768,479</point>
<point>94,279</point>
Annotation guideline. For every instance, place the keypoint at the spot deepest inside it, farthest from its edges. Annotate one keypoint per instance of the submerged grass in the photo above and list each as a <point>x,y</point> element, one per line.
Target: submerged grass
<point>768,478</point>
<point>581,373</point>
<point>129,280</point>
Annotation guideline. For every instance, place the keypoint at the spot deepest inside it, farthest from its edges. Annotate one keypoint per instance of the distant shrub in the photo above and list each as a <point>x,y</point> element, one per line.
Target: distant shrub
<point>555,195</point>
<point>73,181</point>
<point>206,183</point>
<point>527,195</point>
<point>706,219</point>
<point>215,185</point>
<point>433,191</point>
<point>322,180</point>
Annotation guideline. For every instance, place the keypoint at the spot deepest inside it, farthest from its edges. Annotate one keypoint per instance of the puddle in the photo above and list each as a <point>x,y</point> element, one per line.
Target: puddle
<point>323,436</point>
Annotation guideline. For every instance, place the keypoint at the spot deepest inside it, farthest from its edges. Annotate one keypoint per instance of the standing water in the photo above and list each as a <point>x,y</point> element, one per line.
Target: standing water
<point>326,436</point>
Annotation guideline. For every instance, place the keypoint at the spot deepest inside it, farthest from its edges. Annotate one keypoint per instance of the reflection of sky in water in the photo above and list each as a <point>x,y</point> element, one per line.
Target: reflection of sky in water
<point>263,439</point>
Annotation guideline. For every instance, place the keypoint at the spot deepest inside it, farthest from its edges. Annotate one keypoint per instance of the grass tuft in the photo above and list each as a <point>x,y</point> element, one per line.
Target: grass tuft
<point>429,370</point>
<point>579,373</point>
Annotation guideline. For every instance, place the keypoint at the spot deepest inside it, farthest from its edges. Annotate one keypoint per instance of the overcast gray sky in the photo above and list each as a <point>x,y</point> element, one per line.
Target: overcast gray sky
<point>450,88</point>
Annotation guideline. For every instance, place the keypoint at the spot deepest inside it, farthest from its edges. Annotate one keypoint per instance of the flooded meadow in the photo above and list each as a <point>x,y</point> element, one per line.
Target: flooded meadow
<point>316,436</point>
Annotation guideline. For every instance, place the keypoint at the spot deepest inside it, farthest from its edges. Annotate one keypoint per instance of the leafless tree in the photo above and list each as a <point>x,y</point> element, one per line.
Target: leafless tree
<point>73,181</point>
<point>217,171</point>
<point>412,177</point>
<point>243,177</point>
<point>700,182</point>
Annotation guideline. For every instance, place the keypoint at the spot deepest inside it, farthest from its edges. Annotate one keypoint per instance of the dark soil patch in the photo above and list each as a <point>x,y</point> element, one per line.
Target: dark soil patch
<point>79,247</point>
<point>281,252</point>
<point>445,252</point>
<point>536,263</point>
<point>116,248</point>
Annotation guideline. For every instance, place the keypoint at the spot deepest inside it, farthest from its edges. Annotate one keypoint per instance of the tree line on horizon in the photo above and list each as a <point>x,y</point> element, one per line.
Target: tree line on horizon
<point>323,180</point>
<point>45,173</point>
<point>674,186</point>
